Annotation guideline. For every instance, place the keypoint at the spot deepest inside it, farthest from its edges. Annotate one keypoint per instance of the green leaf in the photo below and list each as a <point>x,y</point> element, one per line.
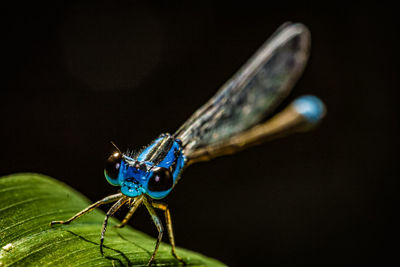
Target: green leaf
<point>30,201</point>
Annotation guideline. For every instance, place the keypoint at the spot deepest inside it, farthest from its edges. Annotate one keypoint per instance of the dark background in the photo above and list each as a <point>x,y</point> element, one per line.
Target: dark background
<point>78,75</point>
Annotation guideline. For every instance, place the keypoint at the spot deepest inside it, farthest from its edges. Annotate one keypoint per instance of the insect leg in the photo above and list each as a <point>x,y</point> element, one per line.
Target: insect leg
<point>164,207</point>
<point>137,202</point>
<point>110,213</point>
<point>103,201</point>
<point>159,226</point>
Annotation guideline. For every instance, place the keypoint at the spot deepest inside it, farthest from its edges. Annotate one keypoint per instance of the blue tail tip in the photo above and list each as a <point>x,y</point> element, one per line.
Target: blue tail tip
<point>311,107</point>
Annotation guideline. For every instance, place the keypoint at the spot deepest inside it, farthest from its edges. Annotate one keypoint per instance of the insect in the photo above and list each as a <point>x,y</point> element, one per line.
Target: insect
<point>230,121</point>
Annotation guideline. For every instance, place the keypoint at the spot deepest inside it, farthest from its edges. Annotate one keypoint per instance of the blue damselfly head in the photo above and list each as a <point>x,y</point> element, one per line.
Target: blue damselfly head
<point>152,171</point>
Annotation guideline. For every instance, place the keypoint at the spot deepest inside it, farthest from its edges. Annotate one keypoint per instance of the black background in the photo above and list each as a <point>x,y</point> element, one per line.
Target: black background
<point>80,74</point>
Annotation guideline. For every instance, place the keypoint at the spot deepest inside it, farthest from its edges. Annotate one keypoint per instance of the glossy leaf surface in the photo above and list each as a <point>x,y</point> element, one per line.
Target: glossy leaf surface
<point>30,201</point>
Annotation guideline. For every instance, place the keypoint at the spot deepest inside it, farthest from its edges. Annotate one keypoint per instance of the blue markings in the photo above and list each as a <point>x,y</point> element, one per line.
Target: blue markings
<point>179,166</point>
<point>311,107</point>
<point>171,156</point>
<point>174,159</point>
<point>134,175</point>
<point>132,179</point>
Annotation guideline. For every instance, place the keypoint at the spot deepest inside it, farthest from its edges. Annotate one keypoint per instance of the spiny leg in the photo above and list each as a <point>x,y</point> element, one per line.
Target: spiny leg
<point>137,202</point>
<point>159,226</point>
<point>168,220</point>
<point>103,201</point>
<point>110,213</point>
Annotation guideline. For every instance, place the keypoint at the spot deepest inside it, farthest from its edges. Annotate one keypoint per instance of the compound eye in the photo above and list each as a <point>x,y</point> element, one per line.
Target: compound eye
<point>161,180</point>
<point>112,166</point>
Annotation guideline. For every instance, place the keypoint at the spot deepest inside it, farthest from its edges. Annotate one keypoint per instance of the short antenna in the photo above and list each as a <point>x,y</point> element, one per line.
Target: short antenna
<point>114,145</point>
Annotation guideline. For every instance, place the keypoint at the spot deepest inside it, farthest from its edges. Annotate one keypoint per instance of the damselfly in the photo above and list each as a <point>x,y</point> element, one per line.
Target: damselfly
<point>230,121</point>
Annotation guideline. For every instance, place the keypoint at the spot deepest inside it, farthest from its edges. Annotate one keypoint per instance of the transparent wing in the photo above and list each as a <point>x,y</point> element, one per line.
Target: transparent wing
<point>252,93</point>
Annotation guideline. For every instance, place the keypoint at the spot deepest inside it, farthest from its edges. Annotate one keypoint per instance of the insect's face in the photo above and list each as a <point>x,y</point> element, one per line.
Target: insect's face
<point>140,176</point>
